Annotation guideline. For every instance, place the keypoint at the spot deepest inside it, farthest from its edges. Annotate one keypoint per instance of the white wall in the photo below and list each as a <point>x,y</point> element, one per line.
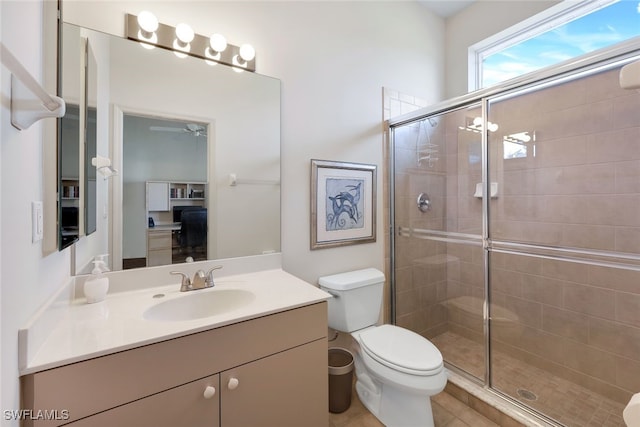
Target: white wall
<point>475,23</point>
<point>27,278</point>
<point>333,59</point>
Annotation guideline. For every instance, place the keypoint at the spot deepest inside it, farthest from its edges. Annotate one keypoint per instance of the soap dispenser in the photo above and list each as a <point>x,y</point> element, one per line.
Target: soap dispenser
<point>95,289</point>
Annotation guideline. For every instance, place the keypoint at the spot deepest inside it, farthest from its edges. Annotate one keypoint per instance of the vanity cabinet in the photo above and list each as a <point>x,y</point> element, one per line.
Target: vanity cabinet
<point>268,371</point>
<point>276,391</point>
<point>189,407</point>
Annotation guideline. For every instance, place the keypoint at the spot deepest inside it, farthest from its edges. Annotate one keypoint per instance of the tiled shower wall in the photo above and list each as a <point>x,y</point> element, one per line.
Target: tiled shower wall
<point>577,189</point>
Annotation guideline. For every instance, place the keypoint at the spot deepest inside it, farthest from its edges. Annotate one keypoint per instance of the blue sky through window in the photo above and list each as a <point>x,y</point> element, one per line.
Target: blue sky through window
<point>604,27</point>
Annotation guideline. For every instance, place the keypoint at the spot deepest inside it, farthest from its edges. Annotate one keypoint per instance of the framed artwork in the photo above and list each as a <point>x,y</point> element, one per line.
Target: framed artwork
<point>343,202</point>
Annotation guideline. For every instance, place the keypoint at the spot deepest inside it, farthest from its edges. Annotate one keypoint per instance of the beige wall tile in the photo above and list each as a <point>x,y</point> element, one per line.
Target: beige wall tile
<point>565,323</point>
<point>599,237</point>
<point>628,308</point>
<point>615,337</point>
<point>628,239</point>
<point>626,110</point>
<point>614,278</point>
<point>627,174</point>
<point>590,300</point>
<point>628,374</point>
<point>590,360</point>
<point>542,289</point>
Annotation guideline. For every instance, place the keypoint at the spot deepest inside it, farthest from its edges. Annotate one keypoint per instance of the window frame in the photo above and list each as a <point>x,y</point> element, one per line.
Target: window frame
<point>551,18</point>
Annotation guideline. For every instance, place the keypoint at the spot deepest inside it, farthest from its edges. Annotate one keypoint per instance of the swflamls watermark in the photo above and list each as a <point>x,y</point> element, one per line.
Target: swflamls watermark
<point>36,414</point>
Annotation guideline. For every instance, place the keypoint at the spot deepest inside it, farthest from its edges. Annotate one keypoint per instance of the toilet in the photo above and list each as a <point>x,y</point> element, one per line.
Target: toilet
<point>397,370</point>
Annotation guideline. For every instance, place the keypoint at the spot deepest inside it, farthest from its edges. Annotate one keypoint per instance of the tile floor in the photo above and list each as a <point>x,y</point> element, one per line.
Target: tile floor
<point>447,412</point>
<point>562,400</point>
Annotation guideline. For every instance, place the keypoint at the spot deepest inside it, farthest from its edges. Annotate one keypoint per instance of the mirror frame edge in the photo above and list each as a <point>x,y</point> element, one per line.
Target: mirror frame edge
<point>52,21</point>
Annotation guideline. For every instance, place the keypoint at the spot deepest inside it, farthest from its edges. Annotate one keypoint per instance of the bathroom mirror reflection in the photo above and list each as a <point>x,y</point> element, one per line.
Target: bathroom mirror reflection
<point>90,143</point>
<point>69,138</point>
<point>239,114</point>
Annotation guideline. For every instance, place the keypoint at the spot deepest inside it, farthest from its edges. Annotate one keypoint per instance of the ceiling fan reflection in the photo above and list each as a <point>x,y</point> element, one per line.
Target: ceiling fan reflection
<point>192,128</point>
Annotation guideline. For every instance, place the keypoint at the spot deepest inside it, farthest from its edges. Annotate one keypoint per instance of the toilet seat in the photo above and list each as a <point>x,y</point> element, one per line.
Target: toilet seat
<point>402,350</point>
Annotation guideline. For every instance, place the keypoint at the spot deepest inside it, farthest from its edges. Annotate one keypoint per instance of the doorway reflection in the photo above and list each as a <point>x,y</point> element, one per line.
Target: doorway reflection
<point>164,191</point>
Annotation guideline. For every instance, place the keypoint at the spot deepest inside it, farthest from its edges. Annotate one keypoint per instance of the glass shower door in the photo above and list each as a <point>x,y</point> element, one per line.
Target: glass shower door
<point>565,245</point>
<point>439,261</point>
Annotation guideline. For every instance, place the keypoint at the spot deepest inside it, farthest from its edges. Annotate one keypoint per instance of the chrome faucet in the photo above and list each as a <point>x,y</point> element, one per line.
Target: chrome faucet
<point>200,280</point>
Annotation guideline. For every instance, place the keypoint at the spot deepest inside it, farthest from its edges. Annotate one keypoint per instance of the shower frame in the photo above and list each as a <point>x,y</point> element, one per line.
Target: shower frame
<point>569,70</point>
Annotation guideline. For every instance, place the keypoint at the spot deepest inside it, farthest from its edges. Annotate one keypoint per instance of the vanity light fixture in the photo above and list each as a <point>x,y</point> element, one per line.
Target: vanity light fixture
<point>103,165</point>
<point>475,125</point>
<point>148,24</point>
<point>519,138</point>
<point>183,41</point>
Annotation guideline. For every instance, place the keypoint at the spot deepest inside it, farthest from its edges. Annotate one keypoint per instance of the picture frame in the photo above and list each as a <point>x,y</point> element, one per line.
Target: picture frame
<point>343,203</point>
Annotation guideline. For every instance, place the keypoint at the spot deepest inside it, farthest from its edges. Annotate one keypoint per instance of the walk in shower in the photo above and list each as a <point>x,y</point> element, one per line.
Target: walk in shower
<point>516,238</point>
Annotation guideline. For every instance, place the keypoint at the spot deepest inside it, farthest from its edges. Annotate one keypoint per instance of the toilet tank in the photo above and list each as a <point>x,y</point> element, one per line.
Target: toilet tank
<point>357,298</point>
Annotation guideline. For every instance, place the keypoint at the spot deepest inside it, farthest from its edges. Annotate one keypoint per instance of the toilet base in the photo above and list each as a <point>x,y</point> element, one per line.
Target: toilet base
<point>395,408</point>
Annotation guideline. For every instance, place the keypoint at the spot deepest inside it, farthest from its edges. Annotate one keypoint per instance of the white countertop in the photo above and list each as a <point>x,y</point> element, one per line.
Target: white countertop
<point>86,331</point>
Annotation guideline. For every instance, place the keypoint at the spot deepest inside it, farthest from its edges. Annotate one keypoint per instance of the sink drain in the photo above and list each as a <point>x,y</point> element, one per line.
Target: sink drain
<point>526,394</point>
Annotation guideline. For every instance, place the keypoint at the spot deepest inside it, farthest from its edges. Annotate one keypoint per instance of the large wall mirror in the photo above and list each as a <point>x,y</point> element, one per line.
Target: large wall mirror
<point>189,139</point>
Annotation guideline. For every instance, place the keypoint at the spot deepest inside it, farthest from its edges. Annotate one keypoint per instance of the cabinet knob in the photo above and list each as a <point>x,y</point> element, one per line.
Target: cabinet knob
<point>233,383</point>
<point>209,392</point>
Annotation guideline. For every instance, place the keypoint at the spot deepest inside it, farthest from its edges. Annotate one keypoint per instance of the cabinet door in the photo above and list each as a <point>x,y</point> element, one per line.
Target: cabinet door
<point>158,247</point>
<point>185,406</point>
<point>157,196</point>
<point>286,389</point>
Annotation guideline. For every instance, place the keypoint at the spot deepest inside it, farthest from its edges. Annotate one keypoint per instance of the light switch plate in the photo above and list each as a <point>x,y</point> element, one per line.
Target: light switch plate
<point>36,222</point>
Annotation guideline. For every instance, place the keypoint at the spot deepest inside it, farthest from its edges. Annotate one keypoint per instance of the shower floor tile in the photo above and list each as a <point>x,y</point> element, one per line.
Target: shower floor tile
<point>562,400</point>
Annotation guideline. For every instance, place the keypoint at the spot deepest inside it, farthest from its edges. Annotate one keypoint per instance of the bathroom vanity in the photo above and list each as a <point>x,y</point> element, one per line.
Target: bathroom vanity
<point>240,369</point>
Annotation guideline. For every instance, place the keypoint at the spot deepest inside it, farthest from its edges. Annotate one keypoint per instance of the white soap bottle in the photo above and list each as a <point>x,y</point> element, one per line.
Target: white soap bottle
<point>95,289</point>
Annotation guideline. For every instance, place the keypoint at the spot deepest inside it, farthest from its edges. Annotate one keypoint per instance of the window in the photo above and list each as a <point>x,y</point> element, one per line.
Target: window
<point>567,30</point>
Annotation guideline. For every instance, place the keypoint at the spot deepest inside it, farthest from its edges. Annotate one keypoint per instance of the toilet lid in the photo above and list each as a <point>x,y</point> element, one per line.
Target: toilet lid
<point>402,350</point>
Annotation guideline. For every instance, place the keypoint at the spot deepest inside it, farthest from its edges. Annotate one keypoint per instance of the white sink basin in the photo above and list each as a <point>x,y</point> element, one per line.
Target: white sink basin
<point>199,304</point>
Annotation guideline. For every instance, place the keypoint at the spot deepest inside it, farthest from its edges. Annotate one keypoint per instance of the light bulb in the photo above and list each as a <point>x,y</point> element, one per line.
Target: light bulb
<point>247,52</point>
<point>492,127</point>
<point>147,21</point>
<point>237,64</point>
<point>184,33</point>
<point>146,39</point>
<point>178,49</point>
<point>218,42</point>
<point>477,121</point>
